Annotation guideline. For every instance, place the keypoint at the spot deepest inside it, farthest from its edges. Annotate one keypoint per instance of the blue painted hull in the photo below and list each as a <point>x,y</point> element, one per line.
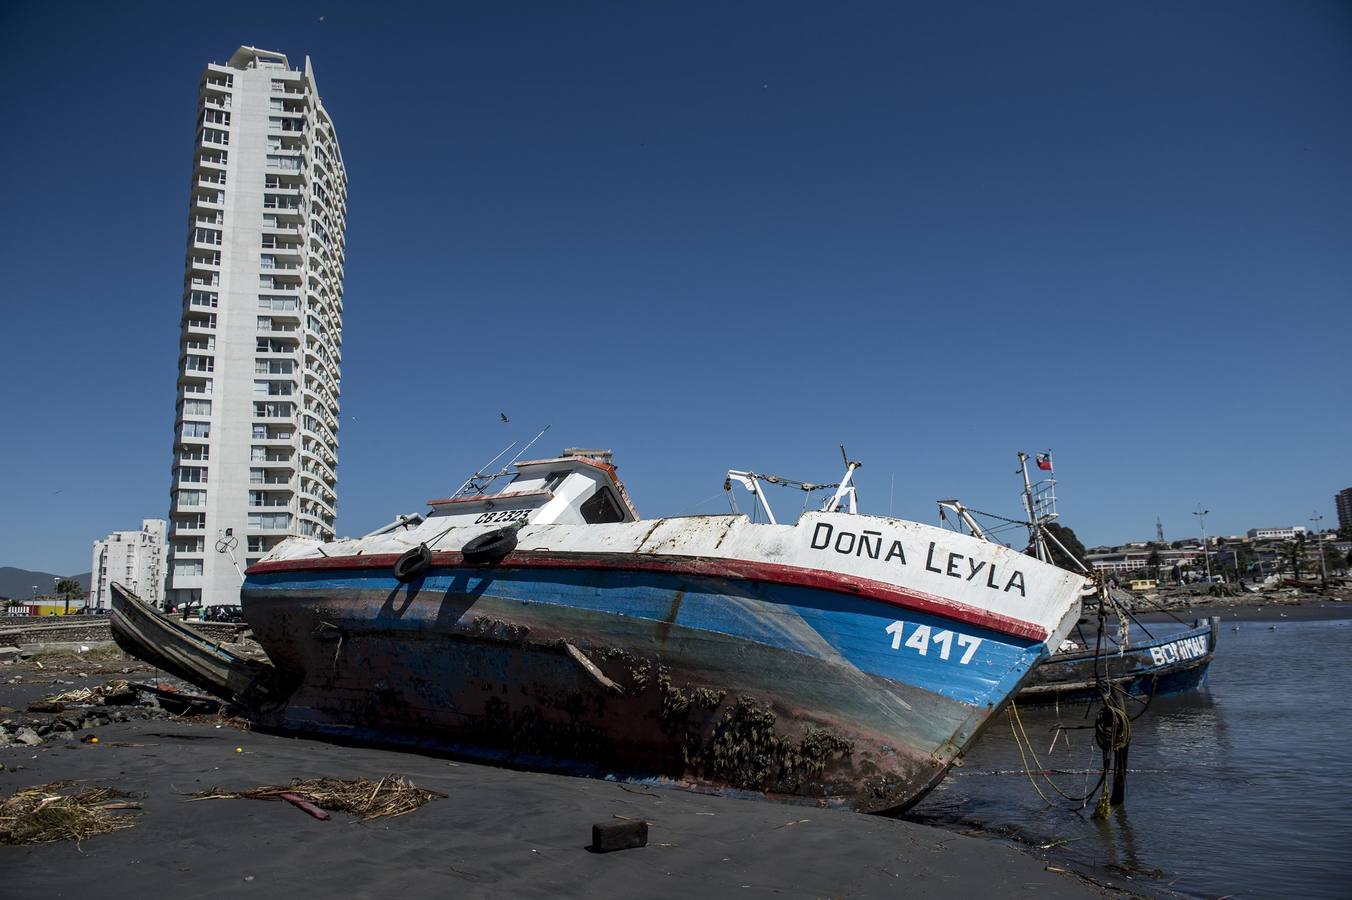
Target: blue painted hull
<point>737,686</point>
<point>1168,664</point>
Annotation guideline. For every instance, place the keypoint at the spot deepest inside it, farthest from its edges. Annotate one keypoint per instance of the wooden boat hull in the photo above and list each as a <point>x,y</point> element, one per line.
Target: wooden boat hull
<point>723,682</point>
<point>1168,664</point>
<point>160,640</point>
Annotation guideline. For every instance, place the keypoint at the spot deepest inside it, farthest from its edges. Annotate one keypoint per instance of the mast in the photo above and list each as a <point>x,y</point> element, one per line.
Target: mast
<point>1035,524</point>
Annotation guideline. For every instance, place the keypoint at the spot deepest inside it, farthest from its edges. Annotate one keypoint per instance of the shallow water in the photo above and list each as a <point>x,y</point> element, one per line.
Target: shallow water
<point>1243,787</point>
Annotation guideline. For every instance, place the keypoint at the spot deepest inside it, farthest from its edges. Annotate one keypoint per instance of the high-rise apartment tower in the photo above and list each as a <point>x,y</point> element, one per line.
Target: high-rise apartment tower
<point>1343,502</point>
<point>256,432</point>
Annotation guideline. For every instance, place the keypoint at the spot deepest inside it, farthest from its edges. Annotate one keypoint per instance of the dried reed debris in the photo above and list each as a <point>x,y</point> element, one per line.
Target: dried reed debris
<point>393,795</point>
<point>118,688</point>
<point>51,812</point>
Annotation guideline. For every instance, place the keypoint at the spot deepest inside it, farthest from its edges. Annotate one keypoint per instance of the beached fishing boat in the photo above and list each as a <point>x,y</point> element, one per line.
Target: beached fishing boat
<point>843,660</point>
<point>1159,665</point>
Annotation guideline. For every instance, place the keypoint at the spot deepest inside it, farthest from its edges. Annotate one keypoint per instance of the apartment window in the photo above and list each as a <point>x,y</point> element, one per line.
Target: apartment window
<point>196,429</point>
<point>217,117</point>
<point>277,304</point>
<point>192,474</point>
<point>272,410</point>
<point>184,568</point>
<point>200,363</point>
<point>191,498</point>
<point>207,236</point>
<point>256,544</point>
<point>272,388</point>
<point>284,163</point>
<point>215,136</point>
<point>190,545</point>
<point>278,86</point>
<point>196,407</point>
<point>193,520</point>
<point>208,299</point>
<point>195,453</point>
<point>269,520</point>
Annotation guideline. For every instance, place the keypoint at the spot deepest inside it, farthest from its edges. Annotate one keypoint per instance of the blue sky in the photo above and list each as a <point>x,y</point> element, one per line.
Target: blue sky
<point>724,235</point>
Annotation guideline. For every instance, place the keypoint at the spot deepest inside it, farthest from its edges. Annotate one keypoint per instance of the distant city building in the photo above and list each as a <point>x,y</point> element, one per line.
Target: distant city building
<point>255,435</point>
<point>1343,501</point>
<point>1122,561</point>
<point>134,559</point>
<point>1288,533</point>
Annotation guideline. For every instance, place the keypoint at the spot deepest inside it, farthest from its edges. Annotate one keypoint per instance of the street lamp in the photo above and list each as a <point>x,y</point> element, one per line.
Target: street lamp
<point>1206,554</point>
<point>1315,519</point>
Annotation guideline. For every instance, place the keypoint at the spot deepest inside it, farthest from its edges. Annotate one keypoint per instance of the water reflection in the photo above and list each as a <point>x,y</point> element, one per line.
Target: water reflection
<point>1224,783</point>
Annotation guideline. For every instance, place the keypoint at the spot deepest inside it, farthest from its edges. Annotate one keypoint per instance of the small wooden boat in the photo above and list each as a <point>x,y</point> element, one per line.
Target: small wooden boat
<point>1168,664</point>
<point>160,640</point>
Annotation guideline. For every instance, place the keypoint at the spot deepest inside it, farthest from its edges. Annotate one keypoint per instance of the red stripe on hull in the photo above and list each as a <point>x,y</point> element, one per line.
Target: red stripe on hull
<point>736,569</point>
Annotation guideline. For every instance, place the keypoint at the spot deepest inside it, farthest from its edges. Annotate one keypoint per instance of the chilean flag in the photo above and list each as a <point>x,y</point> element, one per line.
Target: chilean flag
<point>1044,461</point>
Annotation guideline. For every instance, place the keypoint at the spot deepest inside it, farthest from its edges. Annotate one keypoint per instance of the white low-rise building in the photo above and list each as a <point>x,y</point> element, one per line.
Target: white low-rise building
<point>134,559</point>
<point>1287,533</point>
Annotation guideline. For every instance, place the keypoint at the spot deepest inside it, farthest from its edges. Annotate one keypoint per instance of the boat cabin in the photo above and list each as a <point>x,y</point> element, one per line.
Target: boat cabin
<point>570,489</point>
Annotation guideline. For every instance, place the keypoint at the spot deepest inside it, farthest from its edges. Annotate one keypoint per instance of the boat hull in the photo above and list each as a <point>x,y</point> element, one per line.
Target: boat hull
<point>741,686</point>
<point>1169,664</point>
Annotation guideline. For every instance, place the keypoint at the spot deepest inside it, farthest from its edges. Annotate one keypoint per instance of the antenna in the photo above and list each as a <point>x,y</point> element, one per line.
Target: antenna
<point>472,485</point>
<point>480,472</point>
<point>1159,530</point>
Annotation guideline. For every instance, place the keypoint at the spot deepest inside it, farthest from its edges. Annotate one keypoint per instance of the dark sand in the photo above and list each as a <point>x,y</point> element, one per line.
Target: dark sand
<point>499,833</point>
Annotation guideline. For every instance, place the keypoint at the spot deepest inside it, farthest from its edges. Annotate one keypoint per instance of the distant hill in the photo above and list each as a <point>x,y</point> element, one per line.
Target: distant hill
<point>17,584</point>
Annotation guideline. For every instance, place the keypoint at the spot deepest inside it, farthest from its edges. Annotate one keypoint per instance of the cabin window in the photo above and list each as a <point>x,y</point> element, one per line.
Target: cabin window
<point>601,508</point>
<point>554,479</point>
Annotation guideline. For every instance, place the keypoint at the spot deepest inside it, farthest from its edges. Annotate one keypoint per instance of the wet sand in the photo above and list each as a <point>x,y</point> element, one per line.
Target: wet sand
<point>498,832</point>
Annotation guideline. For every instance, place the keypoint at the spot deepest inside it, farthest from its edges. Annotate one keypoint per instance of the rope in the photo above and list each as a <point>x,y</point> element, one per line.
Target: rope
<point>1112,725</point>
<point>1021,738</point>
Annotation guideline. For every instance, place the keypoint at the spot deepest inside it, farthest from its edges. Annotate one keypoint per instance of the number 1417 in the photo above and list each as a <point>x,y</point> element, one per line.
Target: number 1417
<point>923,637</point>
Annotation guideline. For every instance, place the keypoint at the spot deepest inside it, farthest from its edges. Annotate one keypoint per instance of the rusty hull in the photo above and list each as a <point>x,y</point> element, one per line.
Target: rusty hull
<point>580,692</point>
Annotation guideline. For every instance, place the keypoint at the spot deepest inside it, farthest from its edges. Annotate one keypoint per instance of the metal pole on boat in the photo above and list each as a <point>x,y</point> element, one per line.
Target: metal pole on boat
<point>1034,524</point>
<point>528,446</point>
<point>479,473</point>
<point>845,487</point>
